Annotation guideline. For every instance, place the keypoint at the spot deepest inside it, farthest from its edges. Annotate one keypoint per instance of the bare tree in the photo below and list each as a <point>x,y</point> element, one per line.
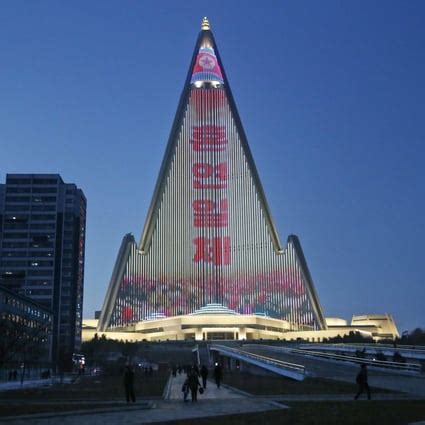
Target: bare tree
<point>22,339</point>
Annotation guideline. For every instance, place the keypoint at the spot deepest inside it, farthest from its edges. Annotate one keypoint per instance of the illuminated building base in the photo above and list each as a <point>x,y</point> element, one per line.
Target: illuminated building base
<point>218,326</point>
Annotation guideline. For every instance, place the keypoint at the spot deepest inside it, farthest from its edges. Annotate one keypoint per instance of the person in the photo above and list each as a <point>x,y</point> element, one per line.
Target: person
<point>204,374</point>
<point>129,384</point>
<point>196,369</point>
<point>193,381</point>
<point>185,389</point>
<point>218,374</point>
<point>361,380</point>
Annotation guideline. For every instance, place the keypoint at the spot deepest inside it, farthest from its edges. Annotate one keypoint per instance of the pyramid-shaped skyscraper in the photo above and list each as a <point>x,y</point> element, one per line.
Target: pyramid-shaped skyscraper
<point>209,237</point>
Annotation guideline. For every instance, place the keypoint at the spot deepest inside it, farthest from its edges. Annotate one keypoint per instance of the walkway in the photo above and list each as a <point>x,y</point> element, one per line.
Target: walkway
<point>211,392</point>
<point>345,371</point>
<point>214,402</point>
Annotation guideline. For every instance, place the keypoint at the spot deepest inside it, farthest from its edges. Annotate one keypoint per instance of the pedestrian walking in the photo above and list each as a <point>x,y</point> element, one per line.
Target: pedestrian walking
<point>185,389</point>
<point>218,374</point>
<point>361,380</point>
<point>204,374</point>
<point>194,384</point>
<point>129,384</point>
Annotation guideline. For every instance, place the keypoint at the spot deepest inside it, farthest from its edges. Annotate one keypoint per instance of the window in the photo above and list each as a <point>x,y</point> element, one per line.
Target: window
<point>17,198</point>
<point>43,226</point>
<point>44,208</point>
<point>13,275</point>
<point>9,264</point>
<point>36,272</point>
<point>17,225</point>
<point>18,189</point>
<point>39,254</point>
<point>18,181</point>
<point>14,253</point>
<point>45,181</point>
<point>40,263</point>
<point>39,282</point>
<point>44,190</point>
<point>17,207</point>
<point>44,292</point>
<point>16,218</point>
<point>38,199</point>
<point>43,217</point>
<point>15,235</point>
<point>14,245</point>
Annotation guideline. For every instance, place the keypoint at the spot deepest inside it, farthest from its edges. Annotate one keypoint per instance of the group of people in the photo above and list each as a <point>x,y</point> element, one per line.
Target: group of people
<point>192,384</point>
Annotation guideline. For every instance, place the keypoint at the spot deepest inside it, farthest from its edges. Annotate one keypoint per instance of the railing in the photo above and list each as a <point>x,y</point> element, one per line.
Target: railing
<point>291,370</point>
<point>409,351</point>
<point>417,354</point>
<point>409,367</point>
<point>196,350</point>
<point>373,347</point>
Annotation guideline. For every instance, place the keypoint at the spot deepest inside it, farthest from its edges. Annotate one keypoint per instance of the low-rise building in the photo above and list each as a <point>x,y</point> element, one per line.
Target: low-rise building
<point>25,331</point>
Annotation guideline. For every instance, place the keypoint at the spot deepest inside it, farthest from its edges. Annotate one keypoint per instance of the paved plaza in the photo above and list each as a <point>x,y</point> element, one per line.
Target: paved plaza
<point>213,402</point>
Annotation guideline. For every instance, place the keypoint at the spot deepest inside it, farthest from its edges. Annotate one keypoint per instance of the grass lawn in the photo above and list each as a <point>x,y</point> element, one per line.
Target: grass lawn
<point>325,413</point>
<point>29,409</point>
<point>99,388</point>
<point>272,384</point>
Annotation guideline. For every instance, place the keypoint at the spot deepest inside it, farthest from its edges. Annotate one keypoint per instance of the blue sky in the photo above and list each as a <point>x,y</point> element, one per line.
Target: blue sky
<point>331,95</point>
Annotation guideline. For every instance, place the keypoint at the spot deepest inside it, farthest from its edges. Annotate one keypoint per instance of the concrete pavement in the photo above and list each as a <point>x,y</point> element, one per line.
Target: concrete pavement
<point>214,402</point>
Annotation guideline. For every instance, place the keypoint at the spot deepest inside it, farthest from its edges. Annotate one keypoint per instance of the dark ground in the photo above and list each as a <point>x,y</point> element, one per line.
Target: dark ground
<point>93,392</point>
<point>325,413</point>
<point>273,384</point>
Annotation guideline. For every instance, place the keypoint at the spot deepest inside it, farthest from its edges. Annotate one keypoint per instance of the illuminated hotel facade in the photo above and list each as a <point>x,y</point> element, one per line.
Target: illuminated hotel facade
<point>209,248</point>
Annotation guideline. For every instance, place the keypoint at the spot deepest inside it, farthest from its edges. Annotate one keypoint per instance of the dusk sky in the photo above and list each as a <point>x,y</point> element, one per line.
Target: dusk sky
<point>331,95</point>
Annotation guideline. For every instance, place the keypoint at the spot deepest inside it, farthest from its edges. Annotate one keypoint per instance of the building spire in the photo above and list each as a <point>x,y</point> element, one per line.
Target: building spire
<point>205,26</point>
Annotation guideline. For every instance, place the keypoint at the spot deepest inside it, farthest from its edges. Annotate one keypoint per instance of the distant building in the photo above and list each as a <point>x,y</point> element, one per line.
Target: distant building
<point>25,331</point>
<point>209,237</point>
<point>42,244</point>
<point>209,263</point>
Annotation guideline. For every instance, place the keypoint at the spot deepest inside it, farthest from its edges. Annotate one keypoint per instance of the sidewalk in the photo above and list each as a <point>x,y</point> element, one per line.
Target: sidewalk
<point>210,393</point>
<point>33,383</point>
<point>214,402</point>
